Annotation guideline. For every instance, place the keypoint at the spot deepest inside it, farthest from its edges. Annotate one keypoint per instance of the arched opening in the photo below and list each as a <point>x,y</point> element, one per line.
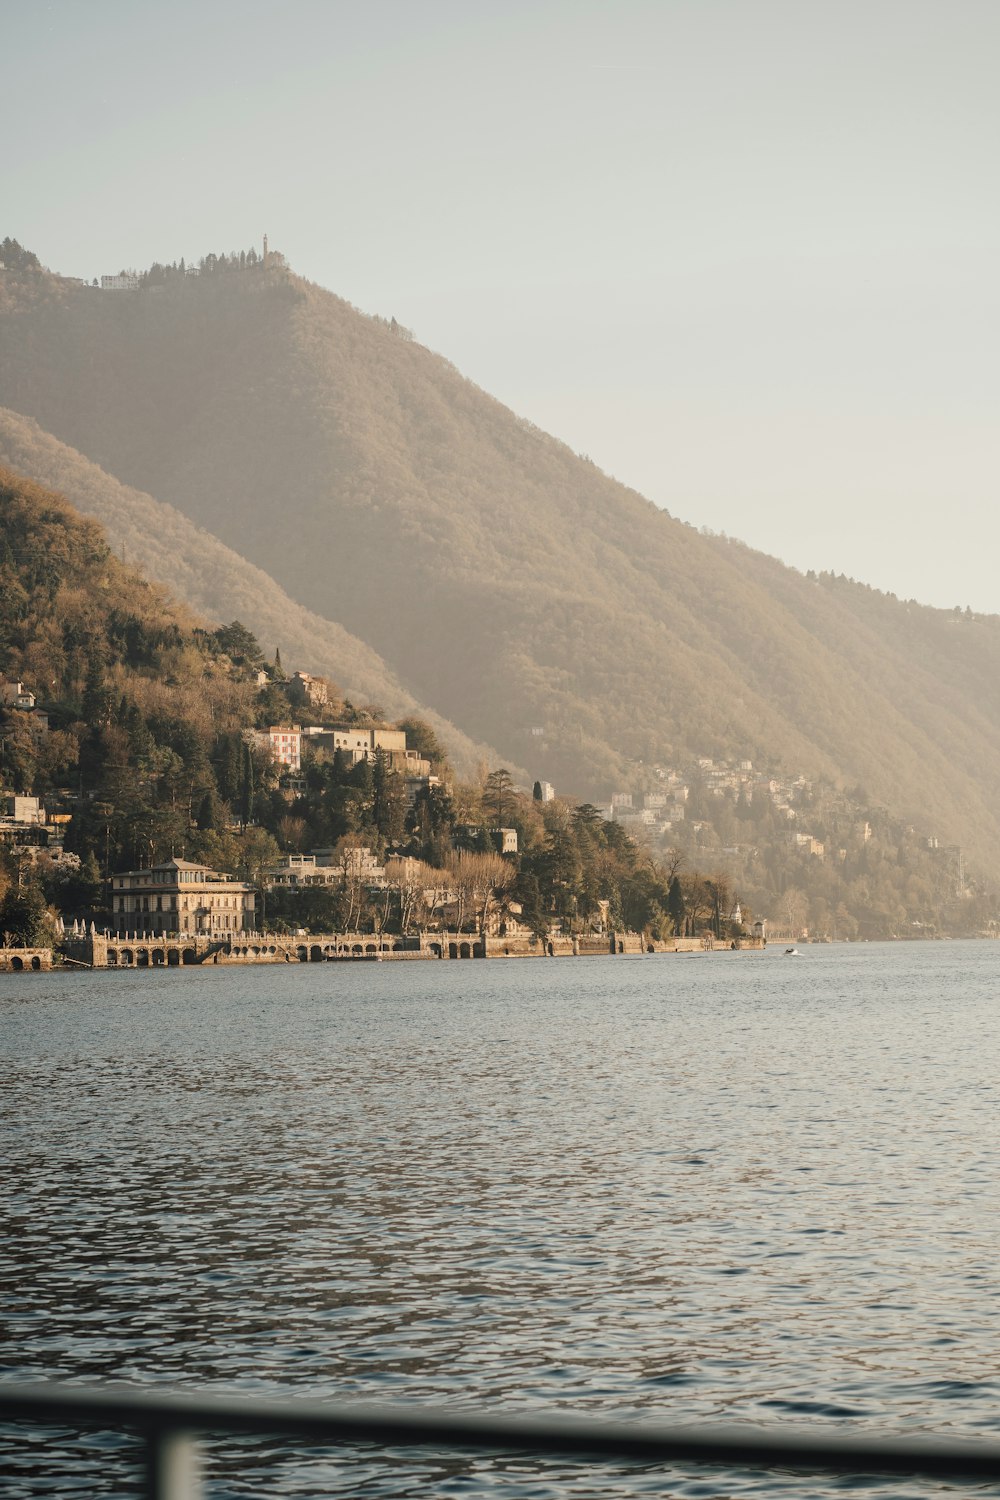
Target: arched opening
<point>370,948</point>
<point>159,957</point>
<point>465,951</point>
<point>316,953</point>
<point>302,953</point>
<point>17,964</point>
<point>452,950</point>
<point>173,957</point>
<point>551,950</point>
<point>436,949</point>
<point>142,958</point>
<point>127,956</point>
<point>357,949</point>
<point>189,956</point>
<point>36,962</point>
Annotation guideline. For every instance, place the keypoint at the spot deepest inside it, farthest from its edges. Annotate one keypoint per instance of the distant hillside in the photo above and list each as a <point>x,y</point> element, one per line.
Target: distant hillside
<point>214,581</point>
<point>542,606</point>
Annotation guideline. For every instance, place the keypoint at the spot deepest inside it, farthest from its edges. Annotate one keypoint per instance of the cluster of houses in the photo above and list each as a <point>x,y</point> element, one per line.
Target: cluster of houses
<point>24,824</point>
<point>663,815</point>
<point>286,742</point>
<point>660,814</point>
<point>185,896</point>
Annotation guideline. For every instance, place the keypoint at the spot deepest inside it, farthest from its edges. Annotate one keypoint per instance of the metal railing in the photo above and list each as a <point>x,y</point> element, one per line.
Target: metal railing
<point>171,1424</point>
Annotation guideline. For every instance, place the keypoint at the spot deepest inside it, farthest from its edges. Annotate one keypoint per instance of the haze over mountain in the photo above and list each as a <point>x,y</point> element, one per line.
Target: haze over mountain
<point>504,580</point>
<point>216,582</point>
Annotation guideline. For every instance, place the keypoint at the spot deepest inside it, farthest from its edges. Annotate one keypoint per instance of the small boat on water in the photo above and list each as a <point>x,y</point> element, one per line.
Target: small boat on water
<point>792,953</point>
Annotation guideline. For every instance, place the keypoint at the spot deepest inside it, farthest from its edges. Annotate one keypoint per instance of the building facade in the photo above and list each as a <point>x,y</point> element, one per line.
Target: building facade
<point>16,695</point>
<point>284,741</point>
<point>183,897</point>
<point>365,744</point>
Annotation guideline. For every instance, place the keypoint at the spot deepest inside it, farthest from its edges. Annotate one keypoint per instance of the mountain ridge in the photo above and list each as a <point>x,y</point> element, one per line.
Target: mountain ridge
<point>500,576</point>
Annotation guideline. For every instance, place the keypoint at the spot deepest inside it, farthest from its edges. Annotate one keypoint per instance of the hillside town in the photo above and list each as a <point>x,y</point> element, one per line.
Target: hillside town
<point>729,817</point>
<point>164,780</point>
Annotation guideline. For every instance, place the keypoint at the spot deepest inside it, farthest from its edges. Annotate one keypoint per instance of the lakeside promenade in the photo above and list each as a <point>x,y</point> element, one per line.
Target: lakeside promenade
<point>144,951</point>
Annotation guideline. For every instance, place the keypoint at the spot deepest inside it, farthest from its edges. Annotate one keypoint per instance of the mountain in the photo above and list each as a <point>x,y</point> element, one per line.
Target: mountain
<point>528,597</point>
<point>215,582</point>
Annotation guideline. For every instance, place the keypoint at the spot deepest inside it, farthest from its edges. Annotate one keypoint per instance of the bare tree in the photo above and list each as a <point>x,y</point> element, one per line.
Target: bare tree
<point>408,880</point>
<point>793,909</point>
<point>352,885</point>
<point>479,881</point>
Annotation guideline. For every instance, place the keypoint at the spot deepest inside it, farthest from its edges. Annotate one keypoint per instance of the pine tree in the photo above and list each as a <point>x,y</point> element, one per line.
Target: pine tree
<point>247,789</point>
<point>675,905</point>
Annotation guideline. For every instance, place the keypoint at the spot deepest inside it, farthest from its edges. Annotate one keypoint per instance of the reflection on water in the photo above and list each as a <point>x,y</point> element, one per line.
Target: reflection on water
<point>715,1187</point>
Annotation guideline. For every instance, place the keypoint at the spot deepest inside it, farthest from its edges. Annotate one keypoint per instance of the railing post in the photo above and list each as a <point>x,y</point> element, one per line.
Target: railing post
<point>173,1468</point>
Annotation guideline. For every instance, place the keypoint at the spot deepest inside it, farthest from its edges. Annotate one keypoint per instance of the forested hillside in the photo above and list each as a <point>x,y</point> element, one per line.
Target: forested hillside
<point>140,738</point>
<point>526,596</point>
<point>214,581</point>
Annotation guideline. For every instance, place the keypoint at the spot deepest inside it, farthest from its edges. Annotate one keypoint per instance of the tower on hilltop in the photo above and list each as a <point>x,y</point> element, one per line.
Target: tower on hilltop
<point>265,253</point>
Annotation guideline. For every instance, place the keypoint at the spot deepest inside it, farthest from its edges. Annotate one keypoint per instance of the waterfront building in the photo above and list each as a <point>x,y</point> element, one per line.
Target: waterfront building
<point>181,896</point>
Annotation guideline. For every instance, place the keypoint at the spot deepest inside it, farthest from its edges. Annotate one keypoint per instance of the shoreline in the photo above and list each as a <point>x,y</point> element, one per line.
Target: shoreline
<point>141,951</point>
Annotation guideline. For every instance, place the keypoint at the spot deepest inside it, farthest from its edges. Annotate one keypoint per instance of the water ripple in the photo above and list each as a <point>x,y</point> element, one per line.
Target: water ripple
<point>698,1191</point>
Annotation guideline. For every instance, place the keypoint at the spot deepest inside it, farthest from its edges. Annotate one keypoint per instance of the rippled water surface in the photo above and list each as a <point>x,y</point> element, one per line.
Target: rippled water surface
<point>727,1187</point>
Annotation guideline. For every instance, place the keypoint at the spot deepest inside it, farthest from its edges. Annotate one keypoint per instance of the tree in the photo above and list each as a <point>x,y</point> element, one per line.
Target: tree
<point>497,793</point>
<point>257,850</point>
<point>351,895</point>
<point>408,879</point>
<point>431,822</point>
<point>532,912</point>
<point>22,917</point>
<point>98,699</point>
<point>239,644</point>
<point>478,881</point>
<point>720,896</point>
<point>247,785</point>
<point>293,832</point>
<point>675,905</point>
<point>16,258</point>
<point>793,909</point>
<point>388,800</point>
<point>421,738</point>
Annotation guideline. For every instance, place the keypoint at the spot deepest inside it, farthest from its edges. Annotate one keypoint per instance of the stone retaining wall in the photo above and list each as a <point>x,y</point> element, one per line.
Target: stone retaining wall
<point>24,960</point>
<point>147,952</point>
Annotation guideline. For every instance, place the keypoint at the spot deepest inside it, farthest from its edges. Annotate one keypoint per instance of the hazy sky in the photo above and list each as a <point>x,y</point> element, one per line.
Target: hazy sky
<point>743,253</point>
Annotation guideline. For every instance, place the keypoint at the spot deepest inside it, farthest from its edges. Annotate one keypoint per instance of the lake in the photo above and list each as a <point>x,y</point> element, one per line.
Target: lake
<point>724,1187</point>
